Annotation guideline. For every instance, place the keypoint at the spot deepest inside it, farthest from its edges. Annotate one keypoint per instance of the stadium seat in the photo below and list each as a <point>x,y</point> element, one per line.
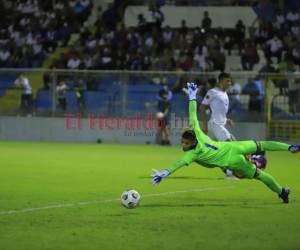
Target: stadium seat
<point>43,100</point>
<point>141,102</point>
<point>97,102</point>
<point>144,88</point>
<point>180,104</point>
<point>6,82</point>
<point>110,87</point>
<point>71,102</point>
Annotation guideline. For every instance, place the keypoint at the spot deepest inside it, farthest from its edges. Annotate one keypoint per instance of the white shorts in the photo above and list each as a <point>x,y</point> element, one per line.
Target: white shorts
<point>219,132</point>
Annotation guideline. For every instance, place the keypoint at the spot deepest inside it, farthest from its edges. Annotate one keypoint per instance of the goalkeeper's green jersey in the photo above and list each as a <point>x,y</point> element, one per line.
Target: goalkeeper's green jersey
<point>207,153</point>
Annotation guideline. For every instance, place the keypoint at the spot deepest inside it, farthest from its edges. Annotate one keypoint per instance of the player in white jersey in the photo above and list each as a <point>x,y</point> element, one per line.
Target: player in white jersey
<point>216,99</point>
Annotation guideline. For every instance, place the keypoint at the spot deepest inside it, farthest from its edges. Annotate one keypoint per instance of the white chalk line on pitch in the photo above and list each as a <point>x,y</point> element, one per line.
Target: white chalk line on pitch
<point>86,203</point>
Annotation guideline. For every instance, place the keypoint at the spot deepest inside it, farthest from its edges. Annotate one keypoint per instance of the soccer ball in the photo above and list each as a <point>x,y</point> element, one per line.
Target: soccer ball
<point>159,115</point>
<point>259,160</point>
<point>130,198</point>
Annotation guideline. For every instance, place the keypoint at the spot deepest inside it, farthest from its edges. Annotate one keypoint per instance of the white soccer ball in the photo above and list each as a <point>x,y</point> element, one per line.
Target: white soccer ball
<point>130,198</point>
<point>159,115</point>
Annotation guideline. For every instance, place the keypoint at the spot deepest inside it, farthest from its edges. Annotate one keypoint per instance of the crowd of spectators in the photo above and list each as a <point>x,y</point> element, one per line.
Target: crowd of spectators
<point>153,46</point>
<point>31,29</point>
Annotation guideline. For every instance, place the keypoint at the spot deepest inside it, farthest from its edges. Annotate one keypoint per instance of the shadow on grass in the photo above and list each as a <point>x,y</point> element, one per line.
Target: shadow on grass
<point>216,203</point>
<point>185,178</point>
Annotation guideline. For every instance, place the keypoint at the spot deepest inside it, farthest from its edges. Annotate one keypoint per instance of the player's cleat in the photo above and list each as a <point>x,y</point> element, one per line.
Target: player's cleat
<point>294,148</point>
<point>284,195</point>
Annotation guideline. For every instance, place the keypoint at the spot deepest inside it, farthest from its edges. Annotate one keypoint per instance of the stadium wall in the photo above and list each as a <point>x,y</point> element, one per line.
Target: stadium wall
<point>75,130</point>
<point>225,17</point>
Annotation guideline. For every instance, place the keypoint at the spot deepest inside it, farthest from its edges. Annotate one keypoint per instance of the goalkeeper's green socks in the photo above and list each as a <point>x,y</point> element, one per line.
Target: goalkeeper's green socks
<point>274,146</point>
<point>269,181</point>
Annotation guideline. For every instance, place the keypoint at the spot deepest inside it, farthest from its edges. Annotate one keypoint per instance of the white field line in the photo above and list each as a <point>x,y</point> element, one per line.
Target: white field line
<point>86,203</point>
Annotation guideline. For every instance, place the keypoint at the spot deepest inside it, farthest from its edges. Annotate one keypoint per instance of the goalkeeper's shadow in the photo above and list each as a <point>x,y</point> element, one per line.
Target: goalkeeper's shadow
<point>214,203</point>
<point>186,178</point>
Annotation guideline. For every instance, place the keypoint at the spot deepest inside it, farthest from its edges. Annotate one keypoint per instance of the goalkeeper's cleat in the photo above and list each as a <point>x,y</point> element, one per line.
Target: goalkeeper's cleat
<point>294,148</point>
<point>284,195</point>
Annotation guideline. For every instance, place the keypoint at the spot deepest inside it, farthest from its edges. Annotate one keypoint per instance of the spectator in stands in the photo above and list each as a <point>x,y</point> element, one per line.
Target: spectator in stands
<point>74,62</point>
<point>26,96</point>
<point>249,56</point>
<point>206,22</point>
<point>218,58</point>
<point>46,81</point>
<point>80,87</point>
<point>296,54</point>
<point>64,31</point>
<point>167,37</point>
<point>293,16</point>
<point>109,16</point>
<point>90,44</point>
<point>235,37</point>
<point>153,17</point>
<point>239,35</point>
<point>142,25</point>
<point>61,89</point>
<point>183,30</point>
<point>294,30</point>
<point>200,57</point>
<point>282,68</point>
<point>5,57</point>
<point>186,61</point>
<point>267,68</point>
<point>261,34</point>
<point>164,117</point>
<point>234,92</point>
<point>255,90</point>
<point>200,61</point>
<point>279,19</point>
<point>273,48</point>
<point>50,40</point>
<point>293,88</point>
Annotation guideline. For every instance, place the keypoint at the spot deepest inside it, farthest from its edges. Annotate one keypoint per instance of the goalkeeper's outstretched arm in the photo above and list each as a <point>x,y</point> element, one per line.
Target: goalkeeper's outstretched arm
<point>194,123</point>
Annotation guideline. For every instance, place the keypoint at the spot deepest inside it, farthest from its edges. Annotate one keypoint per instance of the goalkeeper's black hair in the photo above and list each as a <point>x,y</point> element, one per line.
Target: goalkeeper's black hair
<point>189,135</point>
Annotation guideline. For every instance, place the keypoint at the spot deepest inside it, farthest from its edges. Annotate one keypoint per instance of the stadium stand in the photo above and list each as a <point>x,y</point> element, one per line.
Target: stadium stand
<point>97,38</point>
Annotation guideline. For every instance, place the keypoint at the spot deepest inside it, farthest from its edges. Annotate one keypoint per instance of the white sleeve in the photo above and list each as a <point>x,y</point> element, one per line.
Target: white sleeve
<point>16,82</point>
<point>208,98</point>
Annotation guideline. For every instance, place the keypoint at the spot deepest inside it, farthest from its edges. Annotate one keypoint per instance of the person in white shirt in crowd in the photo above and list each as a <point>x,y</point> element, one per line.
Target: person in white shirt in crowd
<point>296,54</point>
<point>274,48</point>
<point>167,36</point>
<point>26,97</point>
<point>216,99</point>
<point>5,57</point>
<point>293,16</point>
<point>74,62</point>
<point>61,89</point>
<point>279,19</point>
<point>153,17</point>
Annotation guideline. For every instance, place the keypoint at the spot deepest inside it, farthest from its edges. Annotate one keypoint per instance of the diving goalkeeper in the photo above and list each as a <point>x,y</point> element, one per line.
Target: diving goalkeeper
<point>201,149</point>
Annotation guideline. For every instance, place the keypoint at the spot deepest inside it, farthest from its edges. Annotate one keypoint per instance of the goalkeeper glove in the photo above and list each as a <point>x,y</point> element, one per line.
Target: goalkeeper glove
<point>157,176</point>
<point>192,90</point>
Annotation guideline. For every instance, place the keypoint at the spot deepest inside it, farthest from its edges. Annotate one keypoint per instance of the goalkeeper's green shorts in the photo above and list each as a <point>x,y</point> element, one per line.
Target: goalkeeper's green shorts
<point>237,161</point>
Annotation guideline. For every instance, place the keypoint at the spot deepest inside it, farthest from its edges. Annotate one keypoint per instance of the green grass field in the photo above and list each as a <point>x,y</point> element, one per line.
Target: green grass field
<point>66,196</point>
